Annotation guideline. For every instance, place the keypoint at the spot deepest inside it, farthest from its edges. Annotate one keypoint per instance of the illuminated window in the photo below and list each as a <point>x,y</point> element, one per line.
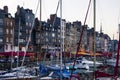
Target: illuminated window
<point>53,35</point>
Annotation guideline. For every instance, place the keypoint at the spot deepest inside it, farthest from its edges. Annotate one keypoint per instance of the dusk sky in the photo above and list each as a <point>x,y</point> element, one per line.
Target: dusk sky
<point>108,12</point>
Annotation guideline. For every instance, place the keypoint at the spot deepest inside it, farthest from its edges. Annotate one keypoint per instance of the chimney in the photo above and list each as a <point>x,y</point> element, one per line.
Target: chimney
<point>6,9</point>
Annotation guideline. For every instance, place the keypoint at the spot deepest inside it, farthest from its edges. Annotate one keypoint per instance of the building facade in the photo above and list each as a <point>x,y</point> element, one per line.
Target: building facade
<point>24,23</point>
<point>7,25</point>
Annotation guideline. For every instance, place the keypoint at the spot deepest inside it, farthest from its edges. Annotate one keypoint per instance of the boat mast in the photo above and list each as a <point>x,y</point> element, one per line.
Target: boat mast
<point>40,26</point>
<point>61,40</point>
<point>12,48</point>
<point>94,24</point>
<point>18,42</point>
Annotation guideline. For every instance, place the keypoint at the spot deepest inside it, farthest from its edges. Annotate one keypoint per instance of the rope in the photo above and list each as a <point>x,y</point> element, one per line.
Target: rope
<point>79,44</point>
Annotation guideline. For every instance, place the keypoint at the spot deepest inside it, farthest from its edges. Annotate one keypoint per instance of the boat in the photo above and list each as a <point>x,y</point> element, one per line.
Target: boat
<point>112,62</point>
<point>17,73</point>
<point>54,75</point>
<point>20,78</point>
<point>78,65</point>
<point>90,63</point>
<point>55,67</point>
<point>104,78</point>
<point>51,76</point>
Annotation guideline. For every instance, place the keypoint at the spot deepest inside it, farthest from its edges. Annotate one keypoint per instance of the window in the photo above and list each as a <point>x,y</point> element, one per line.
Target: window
<point>6,39</point>
<point>58,30</point>
<point>29,39</point>
<point>11,31</point>
<point>26,31</point>
<point>46,28</point>
<point>30,24</point>
<point>58,35</point>
<point>1,40</point>
<point>29,31</point>
<point>26,39</point>
<point>6,46</point>
<point>28,17</point>
<point>38,41</point>
<point>1,21</point>
<point>11,40</point>
<point>53,35</point>
<point>46,34</point>
<point>20,33</point>
<point>20,27</point>
<point>7,23</point>
<point>26,23</point>
<point>52,29</point>
<point>46,39</point>
<point>11,24</point>
<point>1,30</point>
<point>7,31</point>
<point>11,47</point>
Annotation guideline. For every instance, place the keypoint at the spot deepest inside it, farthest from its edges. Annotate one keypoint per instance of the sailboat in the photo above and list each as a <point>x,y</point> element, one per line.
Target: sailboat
<point>17,73</point>
<point>112,62</point>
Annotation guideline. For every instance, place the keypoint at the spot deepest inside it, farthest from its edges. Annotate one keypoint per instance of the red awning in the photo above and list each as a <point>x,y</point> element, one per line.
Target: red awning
<point>28,54</point>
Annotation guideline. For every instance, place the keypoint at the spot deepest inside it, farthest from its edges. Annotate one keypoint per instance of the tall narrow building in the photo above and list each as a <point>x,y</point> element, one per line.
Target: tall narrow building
<point>7,24</point>
<point>24,21</point>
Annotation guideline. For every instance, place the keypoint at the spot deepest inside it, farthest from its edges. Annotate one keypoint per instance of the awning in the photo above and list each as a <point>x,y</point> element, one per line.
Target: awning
<point>97,54</point>
<point>81,53</point>
<point>28,54</point>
